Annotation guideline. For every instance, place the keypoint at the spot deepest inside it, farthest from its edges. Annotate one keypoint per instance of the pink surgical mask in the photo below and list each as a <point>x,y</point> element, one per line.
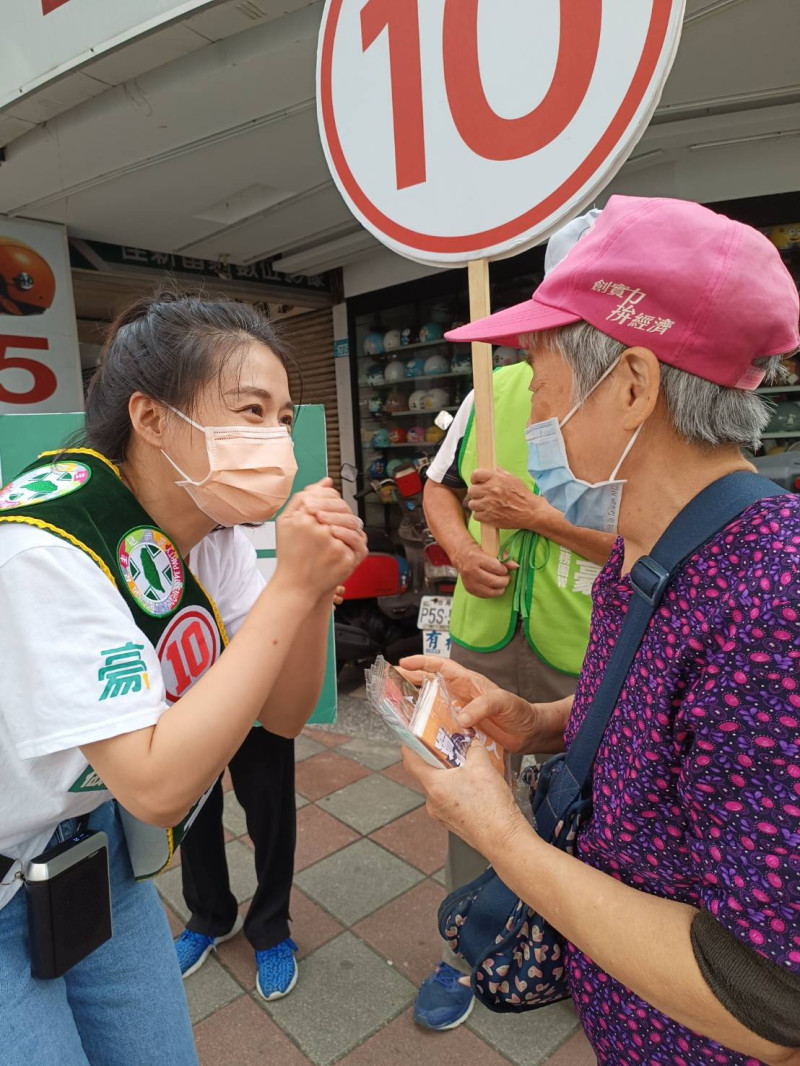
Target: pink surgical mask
<point>251,470</point>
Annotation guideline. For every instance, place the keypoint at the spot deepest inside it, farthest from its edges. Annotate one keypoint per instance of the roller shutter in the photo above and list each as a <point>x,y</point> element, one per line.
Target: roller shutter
<point>310,337</point>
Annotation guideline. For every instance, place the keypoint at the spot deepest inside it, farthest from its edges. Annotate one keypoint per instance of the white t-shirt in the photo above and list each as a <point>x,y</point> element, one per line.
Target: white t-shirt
<point>444,467</point>
<point>59,614</point>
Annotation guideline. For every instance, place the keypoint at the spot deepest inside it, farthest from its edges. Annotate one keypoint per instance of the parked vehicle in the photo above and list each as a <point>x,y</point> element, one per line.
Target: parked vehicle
<point>392,591</point>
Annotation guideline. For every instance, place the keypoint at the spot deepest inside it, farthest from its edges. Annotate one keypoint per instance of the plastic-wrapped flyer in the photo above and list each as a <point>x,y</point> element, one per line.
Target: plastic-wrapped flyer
<point>424,718</point>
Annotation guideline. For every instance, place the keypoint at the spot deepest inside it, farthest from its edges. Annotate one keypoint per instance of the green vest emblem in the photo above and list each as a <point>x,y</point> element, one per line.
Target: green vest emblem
<point>43,483</point>
<point>153,571</point>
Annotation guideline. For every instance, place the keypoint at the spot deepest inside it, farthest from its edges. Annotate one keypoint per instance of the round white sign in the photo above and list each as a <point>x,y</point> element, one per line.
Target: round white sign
<point>457,130</point>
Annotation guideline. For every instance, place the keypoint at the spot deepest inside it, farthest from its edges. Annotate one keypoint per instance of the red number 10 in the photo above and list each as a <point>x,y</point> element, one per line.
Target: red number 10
<point>479,125</point>
<point>189,658</point>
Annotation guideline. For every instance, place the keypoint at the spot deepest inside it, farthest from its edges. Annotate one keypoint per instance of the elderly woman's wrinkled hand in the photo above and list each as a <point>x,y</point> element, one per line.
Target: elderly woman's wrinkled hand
<point>473,801</point>
<point>465,685</point>
<point>506,718</point>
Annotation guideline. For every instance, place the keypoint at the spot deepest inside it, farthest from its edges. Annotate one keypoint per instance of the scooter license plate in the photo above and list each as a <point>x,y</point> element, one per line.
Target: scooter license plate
<point>434,613</point>
<point>435,642</point>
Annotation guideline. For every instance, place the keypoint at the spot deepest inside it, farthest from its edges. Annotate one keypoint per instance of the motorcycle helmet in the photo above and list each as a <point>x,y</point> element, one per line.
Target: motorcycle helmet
<point>395,371</point>
<point>461,362</point>
<point>397,435</point>
<point>415,435</point>
<point>377,469</point>
<point>396,401</point>
<point>374,404</point>
<point>785,418</point>
<point>407,337</point>
<point>380,438</point>
<point>416,401</point>
<point>505,356</point>
<point>434,435</point>
<point>375,375</point>
<point>431,331</point>
<point>392,340</point>
<point>436,399</point>
<point>437,364</point>
<point>27,284</point>
<point>394,466</point>
<point>415,367</point>
<point>373,344</point>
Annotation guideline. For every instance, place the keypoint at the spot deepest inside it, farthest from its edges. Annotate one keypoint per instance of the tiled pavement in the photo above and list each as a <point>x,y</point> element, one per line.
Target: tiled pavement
<point>368,881</point>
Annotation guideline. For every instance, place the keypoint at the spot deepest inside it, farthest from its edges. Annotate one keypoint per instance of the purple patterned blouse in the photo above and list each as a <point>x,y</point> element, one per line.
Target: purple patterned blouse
<point>697,782</point>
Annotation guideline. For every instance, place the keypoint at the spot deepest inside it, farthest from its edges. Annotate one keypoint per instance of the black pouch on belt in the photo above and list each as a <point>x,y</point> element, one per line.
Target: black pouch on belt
<point>69,903</point>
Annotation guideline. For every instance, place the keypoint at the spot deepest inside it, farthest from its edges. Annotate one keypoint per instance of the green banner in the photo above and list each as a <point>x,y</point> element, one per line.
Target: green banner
<point>23,437</point>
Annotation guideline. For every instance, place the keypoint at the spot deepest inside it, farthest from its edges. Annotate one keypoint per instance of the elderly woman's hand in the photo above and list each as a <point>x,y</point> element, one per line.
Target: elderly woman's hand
<point>506,718</point>
<point>465,685</point>
<point>473,801</point>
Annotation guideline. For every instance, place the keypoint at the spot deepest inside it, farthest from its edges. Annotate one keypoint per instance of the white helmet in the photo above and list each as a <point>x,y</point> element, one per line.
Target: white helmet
<point>436,399</point>
<point>416,401</point>
<point>395,371</point>
<point>506,356</point>
<point>392,340</point>
<point>437,364</point>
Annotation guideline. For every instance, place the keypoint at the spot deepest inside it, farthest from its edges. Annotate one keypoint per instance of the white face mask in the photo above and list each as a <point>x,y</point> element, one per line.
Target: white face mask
<point>251,470</point>
<point>592,506</point>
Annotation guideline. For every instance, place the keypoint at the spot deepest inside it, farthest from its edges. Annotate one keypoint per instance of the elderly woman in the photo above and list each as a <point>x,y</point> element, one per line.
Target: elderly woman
<point>681,907</point>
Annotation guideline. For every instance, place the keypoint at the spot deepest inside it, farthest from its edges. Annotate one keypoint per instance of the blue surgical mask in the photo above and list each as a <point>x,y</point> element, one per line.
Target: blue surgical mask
<point>592,506</point>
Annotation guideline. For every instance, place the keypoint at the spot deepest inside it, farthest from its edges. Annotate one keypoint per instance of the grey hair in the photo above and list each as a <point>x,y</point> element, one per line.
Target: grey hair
<point>700,411</point>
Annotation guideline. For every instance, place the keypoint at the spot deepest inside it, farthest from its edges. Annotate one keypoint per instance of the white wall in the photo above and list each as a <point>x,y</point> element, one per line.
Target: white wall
<point>381,269</point>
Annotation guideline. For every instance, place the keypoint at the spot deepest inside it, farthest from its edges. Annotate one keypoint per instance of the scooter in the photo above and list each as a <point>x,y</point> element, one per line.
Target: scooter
<point>379,610</point>
<point>438,573</point>
<point>392,592</point>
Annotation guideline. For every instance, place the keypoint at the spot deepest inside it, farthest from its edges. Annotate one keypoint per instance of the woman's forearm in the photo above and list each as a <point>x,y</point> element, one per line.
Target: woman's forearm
<point>444,514</point>
<point>641,940</point>
<point>548,722</point>
<point>159,772</point>
<point>294,695</point>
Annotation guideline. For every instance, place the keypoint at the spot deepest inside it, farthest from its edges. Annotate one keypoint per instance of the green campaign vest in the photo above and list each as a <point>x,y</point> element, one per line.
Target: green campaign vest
<point>551,591</point>
<point>78,495</point>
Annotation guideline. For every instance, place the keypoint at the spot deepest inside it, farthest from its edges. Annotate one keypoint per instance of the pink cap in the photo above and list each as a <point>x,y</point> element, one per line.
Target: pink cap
<point>704,293</point>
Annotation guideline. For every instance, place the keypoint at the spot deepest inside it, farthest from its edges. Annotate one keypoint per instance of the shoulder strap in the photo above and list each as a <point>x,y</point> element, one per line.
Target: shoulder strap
<point>704,516</point>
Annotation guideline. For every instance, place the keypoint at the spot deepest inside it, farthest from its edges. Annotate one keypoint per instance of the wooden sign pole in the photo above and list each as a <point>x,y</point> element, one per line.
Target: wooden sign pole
<point>480,307</point>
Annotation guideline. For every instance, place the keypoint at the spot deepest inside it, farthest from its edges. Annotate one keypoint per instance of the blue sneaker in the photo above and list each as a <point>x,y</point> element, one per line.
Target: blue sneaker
<point>193,949</point>
<point>442,1002</point>
<point>277,970</point>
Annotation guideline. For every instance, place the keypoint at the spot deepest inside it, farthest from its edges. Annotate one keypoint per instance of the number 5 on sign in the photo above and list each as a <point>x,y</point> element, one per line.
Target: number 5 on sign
<point>42,382</point>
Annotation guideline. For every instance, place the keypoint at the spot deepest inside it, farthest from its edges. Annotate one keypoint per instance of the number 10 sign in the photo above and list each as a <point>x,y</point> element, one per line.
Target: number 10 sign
<point>468,129</point>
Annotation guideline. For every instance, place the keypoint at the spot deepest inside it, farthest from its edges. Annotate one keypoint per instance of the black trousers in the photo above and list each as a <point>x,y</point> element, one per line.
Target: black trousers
<point>262,771</point>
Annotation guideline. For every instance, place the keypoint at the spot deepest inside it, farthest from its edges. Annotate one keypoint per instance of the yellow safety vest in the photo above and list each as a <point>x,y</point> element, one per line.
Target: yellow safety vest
<point>551,591</point>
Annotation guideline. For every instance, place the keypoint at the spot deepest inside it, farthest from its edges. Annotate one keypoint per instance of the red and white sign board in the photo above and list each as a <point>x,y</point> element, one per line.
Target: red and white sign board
<point>41,40</point>
<point>468,129</point>
<point>40,364</point>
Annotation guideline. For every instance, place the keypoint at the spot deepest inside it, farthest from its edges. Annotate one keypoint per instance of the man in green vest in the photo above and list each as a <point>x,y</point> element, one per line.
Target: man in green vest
<point>522,619</point>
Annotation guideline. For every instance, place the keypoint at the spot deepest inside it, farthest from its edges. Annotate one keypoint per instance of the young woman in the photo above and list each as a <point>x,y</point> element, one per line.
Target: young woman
<point>122,577</point>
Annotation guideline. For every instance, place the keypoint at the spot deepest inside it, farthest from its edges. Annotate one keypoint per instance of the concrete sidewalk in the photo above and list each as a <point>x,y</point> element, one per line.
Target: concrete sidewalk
<point>368,881</point>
